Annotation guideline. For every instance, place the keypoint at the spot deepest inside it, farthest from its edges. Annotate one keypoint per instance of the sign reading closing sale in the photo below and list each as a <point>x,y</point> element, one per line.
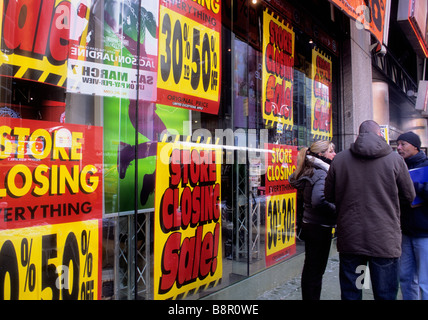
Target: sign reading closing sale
<point>280,235</point>
<point>50,210</point>
<point>277,73</point>
<point>188,251</point>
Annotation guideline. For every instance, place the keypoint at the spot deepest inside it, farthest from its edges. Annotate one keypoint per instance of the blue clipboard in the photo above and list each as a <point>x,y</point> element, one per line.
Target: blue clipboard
<point>419,175</point>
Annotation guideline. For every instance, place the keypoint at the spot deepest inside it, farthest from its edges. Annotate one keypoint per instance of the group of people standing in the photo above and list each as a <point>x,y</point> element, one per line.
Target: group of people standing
<point>367,192</point>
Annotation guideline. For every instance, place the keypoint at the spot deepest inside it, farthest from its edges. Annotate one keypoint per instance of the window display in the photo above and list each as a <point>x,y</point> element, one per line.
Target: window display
<point>146,146</point>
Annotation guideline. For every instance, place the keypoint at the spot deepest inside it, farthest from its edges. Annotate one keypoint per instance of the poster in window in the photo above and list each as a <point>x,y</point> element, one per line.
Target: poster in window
<point>321,112</point>
<point>277,73</point>
<point>35,48</point>
<point>187,244</point>
<point>50,210</point>
<point>189,72</point>
<point>125,62</point>
<point>280,235</point>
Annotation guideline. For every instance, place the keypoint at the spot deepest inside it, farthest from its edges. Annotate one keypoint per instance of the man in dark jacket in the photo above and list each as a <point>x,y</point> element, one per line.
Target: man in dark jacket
<point>414,225</point>
<point>367,183</point>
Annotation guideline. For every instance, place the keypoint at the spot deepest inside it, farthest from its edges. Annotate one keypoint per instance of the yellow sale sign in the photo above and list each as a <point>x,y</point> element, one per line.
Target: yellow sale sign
<point>189,73</point>
<point>51,262</point>
<point>280,227</point>
<point>188,254</point>
<point>278,62</point>
<point>36,36</point>
<point>321,112</point>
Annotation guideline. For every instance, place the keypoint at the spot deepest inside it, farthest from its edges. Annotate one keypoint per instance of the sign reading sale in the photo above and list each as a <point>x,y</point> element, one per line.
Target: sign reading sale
<point>50,210</point>
<point>188,252</point>
<point>277,73</point>
<point>189,73</point>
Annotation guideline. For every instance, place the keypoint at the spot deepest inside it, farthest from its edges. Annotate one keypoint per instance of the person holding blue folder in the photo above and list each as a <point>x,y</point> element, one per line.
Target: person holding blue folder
<point>414,222</point>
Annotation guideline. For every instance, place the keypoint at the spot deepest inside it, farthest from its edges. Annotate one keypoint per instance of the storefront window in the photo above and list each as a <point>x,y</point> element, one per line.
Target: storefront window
<point>145,146</point>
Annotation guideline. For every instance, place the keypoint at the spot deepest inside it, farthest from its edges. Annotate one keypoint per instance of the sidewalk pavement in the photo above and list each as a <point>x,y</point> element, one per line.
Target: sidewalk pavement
<point>291,290</point>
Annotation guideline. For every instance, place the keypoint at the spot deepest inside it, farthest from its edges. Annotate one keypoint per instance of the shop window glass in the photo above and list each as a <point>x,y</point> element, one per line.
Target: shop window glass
<point>111,114</point>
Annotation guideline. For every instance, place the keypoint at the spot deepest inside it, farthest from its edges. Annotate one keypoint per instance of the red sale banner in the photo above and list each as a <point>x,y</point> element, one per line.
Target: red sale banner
<point>281,163</point>
<point>50,173</point>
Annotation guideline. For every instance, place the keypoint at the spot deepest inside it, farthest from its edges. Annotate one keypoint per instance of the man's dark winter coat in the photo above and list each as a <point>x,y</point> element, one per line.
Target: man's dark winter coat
<point>414,221</point>
<point>367,183</point>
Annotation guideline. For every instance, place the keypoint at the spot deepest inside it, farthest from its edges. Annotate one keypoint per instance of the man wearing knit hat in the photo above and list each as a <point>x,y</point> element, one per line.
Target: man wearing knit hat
<point>414,226</point>
<point>409,145</point>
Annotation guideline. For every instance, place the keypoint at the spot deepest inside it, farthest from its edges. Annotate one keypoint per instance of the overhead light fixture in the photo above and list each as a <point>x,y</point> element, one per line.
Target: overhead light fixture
<point>311,41</point>
<point>254,1</point>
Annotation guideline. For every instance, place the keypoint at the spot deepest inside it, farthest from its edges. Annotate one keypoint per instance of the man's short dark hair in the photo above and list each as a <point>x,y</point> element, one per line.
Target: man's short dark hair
<point>369,126</point>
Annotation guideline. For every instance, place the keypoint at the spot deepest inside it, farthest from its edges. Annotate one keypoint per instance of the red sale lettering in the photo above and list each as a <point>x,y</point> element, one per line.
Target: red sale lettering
<point>322,91</point>
<point>322,116</point>
<point>198,206</point>
<point>278,99</point>
<point>197,166</point>
<point>281,38</point>
<point>186,261</point>
<point>37,28</point>
<point>279,63</point>
<point>279,52</point>
<point>323,70</point>
<point>188,221</point>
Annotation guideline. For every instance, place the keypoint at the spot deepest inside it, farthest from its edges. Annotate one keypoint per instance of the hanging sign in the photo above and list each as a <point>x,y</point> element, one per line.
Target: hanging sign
<point>50,210</point>
<point>189,63</point>
<point>188,246</point>
<point>321,92</point>
<point>369,14</point>
<point>277,73</point>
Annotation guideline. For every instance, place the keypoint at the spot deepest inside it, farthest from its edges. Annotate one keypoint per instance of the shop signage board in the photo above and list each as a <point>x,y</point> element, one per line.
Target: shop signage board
<point>189,72</point>
<point>280,235</point>
<point>321,93</point>
<point>370,14</point>
<point>51,210</point>
<point>187,244</point>
<point>277,73</point>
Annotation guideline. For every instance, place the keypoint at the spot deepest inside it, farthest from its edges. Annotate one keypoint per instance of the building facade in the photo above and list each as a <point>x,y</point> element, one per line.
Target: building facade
<point>145,146</point>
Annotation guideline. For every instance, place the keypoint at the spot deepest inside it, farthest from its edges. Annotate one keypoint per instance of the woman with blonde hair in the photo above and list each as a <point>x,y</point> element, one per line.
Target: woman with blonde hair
<point>319,215</point>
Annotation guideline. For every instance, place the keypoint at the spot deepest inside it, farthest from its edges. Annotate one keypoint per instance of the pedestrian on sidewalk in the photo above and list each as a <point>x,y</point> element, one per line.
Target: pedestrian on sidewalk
<point>414,225</point>
<point>367,183</point>
<point>319,216</point>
